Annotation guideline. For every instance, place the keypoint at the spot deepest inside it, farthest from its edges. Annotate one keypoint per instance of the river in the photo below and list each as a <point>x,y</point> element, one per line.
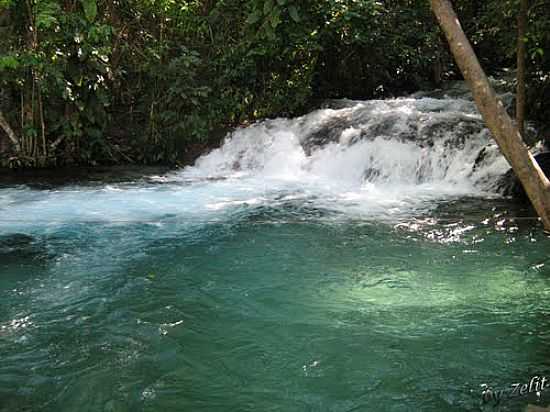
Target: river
<point>359,258</point>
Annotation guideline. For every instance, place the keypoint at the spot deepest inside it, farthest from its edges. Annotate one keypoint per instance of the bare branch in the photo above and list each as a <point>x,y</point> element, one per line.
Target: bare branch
<point>9,132</point>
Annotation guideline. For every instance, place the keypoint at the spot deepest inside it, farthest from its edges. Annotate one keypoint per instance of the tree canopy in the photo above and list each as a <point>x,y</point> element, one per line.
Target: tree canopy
<point>147,81</point>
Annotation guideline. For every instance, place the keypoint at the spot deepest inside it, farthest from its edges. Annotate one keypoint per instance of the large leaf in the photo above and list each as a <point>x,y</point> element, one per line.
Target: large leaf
<point>90,9</point>
<point>294,13</point>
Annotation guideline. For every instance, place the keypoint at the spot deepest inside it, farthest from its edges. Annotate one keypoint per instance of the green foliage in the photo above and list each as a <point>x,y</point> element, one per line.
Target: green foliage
<point>496,43</point>
<point>45,14</point>
<point>90,9</point>
<point>103,81</point>
<point>9,62</point>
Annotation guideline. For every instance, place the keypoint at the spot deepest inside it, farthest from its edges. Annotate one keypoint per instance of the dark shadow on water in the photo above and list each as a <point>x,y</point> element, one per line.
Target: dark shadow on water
<point>20,247</point>
<point>53,178</point>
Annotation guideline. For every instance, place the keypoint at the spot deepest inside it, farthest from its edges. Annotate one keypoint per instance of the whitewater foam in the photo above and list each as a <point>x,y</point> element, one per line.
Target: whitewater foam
<point>380,159</point>
<point>402,145</point>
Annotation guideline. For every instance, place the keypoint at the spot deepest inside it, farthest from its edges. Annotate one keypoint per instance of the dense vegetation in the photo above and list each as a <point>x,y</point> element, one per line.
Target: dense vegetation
<point>148,81</point>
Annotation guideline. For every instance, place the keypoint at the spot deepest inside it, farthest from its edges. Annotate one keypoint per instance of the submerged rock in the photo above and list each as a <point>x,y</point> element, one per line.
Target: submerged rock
<point>15,241</point>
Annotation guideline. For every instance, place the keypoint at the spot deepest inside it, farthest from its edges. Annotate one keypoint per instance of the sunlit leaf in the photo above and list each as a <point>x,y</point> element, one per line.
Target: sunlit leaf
<point>8,62</point>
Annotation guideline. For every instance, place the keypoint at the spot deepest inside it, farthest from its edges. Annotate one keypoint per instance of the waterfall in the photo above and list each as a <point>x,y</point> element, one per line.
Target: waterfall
<point>425,146</point>
<point>375,160</point>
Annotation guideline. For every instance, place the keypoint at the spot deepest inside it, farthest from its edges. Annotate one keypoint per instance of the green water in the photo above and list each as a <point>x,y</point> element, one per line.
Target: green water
<point>275,309</point>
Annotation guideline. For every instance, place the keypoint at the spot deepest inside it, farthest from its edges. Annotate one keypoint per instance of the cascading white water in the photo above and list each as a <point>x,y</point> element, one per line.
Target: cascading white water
<point>438,143</point>
<point>381,159</point>
<point>373,156</point>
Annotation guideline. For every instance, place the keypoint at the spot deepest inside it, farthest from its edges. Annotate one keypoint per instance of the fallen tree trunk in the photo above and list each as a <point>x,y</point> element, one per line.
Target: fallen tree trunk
<point>9,132</point>
<point>504,131</point>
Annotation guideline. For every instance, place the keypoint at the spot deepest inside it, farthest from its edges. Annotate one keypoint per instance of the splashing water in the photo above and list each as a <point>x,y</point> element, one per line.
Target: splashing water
<point>376,159</point>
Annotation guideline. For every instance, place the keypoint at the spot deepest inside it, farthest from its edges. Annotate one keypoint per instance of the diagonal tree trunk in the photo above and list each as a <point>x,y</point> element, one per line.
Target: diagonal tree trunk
<point>4,125</point>
<point>504,131</point>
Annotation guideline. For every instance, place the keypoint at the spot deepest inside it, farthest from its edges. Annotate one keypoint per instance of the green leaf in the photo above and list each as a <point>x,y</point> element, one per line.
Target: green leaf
<point>90,9</point>
<point>268,6</point>
<point>294,13</point>
<point>4,4</point>
<point>253,18</point>
<point>8,62</point>
<point>46,14</point>
<point>275,20</point>
<point>537,52</point>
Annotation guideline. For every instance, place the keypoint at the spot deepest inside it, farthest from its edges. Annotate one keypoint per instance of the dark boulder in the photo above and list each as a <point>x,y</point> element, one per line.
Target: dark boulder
<point>511,185</point>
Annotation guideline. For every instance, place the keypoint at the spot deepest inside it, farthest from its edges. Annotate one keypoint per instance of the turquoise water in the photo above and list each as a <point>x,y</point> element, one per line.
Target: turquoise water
<point>275,306</point>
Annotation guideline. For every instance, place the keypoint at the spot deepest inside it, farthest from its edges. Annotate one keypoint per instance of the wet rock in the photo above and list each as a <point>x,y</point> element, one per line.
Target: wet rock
<point>422,122</point>
<point>327,132</point>
<point>510,185</point>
